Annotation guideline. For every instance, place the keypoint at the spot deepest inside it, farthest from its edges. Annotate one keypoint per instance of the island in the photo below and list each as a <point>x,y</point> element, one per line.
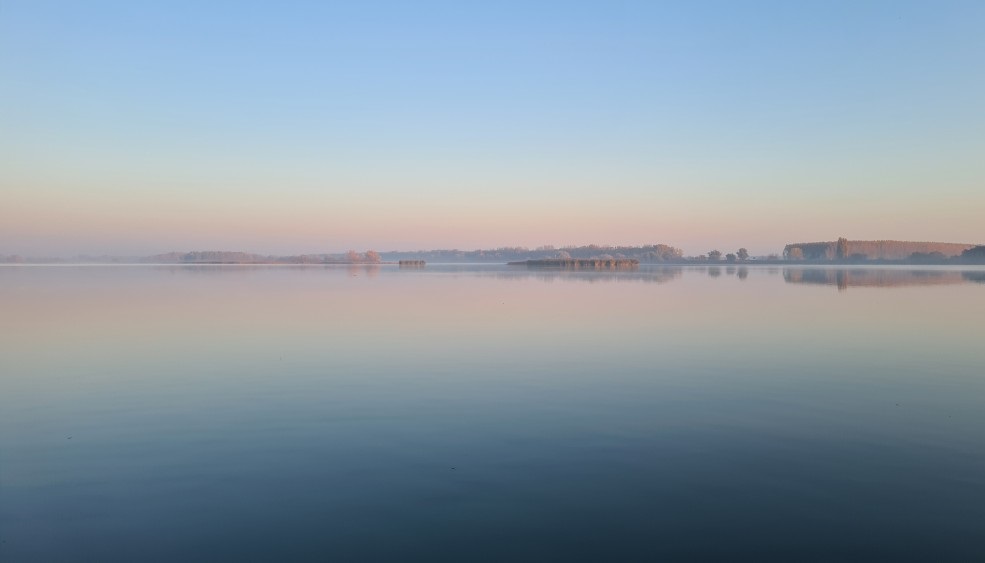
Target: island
<point>581,263</point>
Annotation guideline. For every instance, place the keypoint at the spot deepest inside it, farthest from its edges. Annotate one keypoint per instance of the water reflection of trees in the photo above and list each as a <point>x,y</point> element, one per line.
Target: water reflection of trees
<point>661,275</point>
<point>370,270</point>
<point>974,277</point>
<point>845,278</point>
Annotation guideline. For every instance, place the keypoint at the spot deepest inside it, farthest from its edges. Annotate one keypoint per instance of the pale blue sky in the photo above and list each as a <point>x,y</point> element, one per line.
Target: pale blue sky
<point>137,127</point>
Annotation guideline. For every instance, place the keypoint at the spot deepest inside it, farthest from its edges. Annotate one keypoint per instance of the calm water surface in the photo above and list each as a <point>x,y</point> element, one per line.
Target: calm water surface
<point>487,413</point>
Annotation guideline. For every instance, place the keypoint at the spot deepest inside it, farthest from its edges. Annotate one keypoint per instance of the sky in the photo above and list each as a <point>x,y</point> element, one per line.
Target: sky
<point>132,128</point>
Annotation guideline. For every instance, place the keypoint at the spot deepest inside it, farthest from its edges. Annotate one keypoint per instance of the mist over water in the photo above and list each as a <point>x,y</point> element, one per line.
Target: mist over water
<point>491,413</point>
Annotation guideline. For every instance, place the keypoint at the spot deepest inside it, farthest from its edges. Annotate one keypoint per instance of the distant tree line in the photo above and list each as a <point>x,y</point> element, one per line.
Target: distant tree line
<point>206,257</point>
<point>839,251</point>
<point>646,254</point>
<point>740,255</point>
<point>369,257</point>
<point>974,255</point>
<point>228,257</point>
<point>858,251</point>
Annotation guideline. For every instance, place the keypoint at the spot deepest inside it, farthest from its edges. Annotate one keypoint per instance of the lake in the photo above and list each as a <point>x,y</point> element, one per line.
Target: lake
<point>491,413</point>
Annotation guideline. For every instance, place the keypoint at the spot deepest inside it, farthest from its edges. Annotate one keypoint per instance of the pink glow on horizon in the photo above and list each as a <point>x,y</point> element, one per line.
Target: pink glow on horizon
<point>133,225</point>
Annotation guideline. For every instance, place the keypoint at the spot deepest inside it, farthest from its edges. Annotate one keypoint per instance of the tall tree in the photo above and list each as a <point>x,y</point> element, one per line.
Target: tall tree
<point>742,254</point>
<point>841,249</point>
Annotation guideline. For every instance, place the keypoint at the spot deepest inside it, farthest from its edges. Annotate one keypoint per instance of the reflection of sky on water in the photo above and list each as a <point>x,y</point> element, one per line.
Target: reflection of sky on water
<point>324,406</point>
<point>140,308</point>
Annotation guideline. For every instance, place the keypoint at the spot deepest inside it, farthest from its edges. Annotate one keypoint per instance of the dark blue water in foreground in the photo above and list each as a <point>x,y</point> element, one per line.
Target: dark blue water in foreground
<point>491,414</point>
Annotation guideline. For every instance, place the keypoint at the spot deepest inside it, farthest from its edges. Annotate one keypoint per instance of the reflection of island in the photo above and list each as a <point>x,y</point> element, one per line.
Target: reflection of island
<point>657,275</point>
<point>845,278</point>
<point>974,277</point>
